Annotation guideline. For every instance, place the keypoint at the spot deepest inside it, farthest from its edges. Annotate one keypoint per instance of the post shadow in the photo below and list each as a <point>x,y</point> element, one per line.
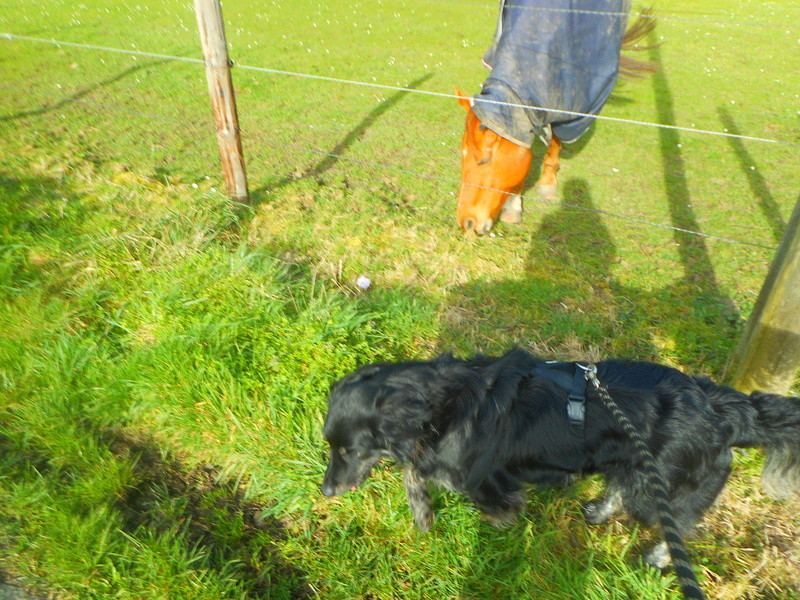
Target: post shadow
<point>758,185</point>
<point>331,157</point>
<point>693,252</point>
<point>81,93</point>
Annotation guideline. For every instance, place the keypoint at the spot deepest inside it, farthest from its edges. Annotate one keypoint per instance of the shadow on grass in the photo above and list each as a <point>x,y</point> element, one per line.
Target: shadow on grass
<point>567,297</point>
<point>33,209</point>
<point>568,301</point>
<point>770,209</point>
<point>228,534</point>
<point>213,514</point>
<point>331,157</point>
<point>80,94</point>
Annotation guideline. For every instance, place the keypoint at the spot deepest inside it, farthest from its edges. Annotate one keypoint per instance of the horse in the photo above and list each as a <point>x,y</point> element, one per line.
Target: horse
<point>552,68</point>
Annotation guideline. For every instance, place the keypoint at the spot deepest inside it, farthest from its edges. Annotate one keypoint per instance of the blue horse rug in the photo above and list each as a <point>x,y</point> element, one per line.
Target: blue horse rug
<point>551,54</point>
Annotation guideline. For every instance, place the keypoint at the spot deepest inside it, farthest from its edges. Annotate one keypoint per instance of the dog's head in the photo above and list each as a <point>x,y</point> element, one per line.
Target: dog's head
<point>379,411</point>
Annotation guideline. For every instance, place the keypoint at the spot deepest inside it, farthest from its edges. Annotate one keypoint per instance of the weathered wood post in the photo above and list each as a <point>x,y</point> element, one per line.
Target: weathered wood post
<point>223,101</point>
<point>768,355</point>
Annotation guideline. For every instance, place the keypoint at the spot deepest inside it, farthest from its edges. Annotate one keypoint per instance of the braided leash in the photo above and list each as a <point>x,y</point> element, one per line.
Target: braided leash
<point>680,561</point>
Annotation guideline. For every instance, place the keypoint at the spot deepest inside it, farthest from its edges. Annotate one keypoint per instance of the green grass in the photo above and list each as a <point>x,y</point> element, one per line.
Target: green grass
<point>165,354</point>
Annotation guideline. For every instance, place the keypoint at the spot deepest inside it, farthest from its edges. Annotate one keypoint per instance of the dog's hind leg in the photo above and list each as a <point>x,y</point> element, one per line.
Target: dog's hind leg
<point>419,499</point>
<point>688,506</point>
<point>602,510</point>
<point>658,556</point>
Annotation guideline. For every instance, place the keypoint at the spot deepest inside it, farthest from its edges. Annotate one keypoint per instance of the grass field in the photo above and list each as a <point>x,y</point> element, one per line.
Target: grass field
<point>165,354</point>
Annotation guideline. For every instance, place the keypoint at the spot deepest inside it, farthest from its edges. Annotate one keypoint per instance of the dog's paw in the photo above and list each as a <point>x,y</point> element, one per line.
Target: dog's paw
<point>601,510</point>
<point>424,522</point>
<point>594,514</point>
<point>501,520</point>
<point>659,556</point>
<point>505,517</point>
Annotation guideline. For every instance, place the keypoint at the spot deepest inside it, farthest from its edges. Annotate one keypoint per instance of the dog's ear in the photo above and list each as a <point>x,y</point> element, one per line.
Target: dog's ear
<point>397,401</point>
<point>367,371</point>
<point>363,373</point>
<point>463,99</point>
<point>403,416</point>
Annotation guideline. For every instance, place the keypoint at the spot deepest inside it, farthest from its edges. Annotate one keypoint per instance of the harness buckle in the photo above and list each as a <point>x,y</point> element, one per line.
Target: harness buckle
<point>576,401</point>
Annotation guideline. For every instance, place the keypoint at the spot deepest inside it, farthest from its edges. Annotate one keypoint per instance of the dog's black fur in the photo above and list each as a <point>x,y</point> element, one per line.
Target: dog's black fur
<point>485,426</point>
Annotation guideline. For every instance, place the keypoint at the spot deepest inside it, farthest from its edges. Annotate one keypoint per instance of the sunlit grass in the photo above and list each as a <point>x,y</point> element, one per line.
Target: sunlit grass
<point>165,354</point>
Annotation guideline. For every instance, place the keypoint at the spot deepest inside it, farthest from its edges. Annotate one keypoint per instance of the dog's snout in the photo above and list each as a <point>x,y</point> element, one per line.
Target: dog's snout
<point>327,490</point>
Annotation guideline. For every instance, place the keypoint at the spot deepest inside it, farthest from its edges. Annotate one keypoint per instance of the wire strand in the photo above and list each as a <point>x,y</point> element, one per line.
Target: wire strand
<point>393,88</point>
<point>560,204</point>
<point>375,164</point>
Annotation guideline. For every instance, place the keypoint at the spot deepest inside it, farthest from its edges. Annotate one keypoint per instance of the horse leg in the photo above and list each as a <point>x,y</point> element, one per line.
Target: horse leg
<point>547,186</point>
<point>512,208</point>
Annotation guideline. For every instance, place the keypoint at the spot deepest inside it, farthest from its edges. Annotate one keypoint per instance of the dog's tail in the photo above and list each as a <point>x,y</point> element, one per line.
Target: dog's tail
<point>767,421</point>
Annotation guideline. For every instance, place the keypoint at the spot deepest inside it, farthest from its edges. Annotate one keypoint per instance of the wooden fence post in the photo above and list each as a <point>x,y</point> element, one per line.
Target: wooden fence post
<point>768,355</point>
<point>223,101</point>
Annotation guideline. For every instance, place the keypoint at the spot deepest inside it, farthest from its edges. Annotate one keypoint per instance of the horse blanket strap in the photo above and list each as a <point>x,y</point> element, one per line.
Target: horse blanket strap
<point>570,376</point>
<point>551,54</point>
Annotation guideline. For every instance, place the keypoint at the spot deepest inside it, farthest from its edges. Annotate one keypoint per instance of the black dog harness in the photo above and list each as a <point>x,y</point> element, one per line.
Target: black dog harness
<point>571,376</point>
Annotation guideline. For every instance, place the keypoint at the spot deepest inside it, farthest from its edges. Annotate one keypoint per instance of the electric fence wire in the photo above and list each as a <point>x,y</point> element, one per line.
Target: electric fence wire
<point>404,171</point>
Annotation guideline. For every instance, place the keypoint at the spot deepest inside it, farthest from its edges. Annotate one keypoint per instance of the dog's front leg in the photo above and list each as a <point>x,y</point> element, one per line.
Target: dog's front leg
<point>419,500</point>
<point>602,510</point>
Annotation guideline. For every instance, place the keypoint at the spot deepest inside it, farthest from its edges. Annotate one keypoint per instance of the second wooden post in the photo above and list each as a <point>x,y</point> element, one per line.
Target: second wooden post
<point>768,355</point>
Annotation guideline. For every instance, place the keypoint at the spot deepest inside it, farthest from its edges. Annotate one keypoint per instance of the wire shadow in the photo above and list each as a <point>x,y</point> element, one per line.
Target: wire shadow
<point>758,184</point>
<point>79,94</point>
<point>333,155</point>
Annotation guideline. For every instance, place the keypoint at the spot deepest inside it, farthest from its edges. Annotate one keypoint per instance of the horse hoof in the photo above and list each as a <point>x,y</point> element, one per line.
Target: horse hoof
<point>547,192</point>
<point>512,210</point>
<point>511,216</point>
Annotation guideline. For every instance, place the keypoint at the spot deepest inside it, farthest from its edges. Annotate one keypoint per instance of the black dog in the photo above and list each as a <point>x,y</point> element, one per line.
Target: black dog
<point>485,426</point>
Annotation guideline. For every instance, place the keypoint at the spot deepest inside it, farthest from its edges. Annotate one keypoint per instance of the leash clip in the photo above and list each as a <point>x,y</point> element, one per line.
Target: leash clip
<point>590,372</point>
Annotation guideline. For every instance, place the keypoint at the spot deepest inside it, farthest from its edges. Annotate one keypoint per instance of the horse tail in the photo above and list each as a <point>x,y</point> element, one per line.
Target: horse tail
<point>643,26</point>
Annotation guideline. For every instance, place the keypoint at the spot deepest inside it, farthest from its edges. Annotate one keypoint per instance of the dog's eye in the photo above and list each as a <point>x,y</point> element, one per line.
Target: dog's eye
<point>343,452</point>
